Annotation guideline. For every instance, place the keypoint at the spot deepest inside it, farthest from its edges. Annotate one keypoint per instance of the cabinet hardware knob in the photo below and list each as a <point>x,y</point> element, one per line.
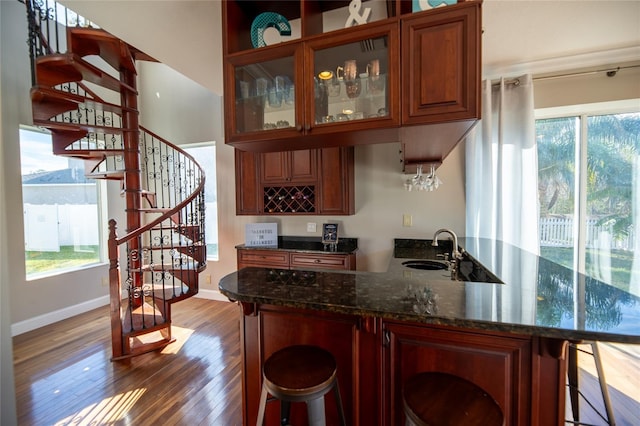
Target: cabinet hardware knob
<point>299,127</point>
<point>317,260</point>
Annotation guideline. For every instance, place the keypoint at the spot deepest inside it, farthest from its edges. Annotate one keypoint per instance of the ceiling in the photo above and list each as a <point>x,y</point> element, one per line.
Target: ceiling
<point>534,36</point>
<point>541,36</point>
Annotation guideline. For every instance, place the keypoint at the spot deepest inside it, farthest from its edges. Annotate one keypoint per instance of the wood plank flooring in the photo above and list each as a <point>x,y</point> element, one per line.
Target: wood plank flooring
<point>64,376</point>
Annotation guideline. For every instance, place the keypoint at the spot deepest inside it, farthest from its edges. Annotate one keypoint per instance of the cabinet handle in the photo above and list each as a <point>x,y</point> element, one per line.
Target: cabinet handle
<point>318,261</point>
<point>386,338</point>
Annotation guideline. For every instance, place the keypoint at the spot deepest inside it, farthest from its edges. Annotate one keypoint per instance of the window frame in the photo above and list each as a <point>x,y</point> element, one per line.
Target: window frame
<point>101,210</point>
<point>210,180</point>
<point>583,112</point>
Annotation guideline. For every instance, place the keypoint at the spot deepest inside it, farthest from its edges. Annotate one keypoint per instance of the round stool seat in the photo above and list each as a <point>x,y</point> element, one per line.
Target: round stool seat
<point>436,399</point>
<point>300,373</point>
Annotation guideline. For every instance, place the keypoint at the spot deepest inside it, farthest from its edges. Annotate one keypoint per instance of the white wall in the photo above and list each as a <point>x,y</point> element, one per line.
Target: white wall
<point>7,392</point>
<point>47,298</point>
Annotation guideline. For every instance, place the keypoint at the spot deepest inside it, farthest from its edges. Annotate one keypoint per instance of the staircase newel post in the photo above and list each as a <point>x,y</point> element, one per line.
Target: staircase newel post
<point>117,344</point>
<point>132,182</point>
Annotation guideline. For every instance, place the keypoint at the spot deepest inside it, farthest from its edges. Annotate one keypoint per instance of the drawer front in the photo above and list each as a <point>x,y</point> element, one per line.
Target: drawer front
<point>263,258</point>
<point>331,261</point>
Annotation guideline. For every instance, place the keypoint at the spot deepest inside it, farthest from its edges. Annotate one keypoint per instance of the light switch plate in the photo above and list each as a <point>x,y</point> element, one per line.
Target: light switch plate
<point>311,227</point>
<point>407,220</point>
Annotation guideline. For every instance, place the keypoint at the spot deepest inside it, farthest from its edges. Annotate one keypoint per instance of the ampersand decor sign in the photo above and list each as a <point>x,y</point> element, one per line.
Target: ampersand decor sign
<point>355,17</point>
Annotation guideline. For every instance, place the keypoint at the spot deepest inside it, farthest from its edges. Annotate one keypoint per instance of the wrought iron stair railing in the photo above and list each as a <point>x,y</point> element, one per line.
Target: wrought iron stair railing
<point>163,247</point>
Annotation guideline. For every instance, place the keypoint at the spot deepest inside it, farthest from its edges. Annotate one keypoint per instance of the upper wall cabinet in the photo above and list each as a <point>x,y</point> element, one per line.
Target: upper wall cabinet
<point>325,85</point>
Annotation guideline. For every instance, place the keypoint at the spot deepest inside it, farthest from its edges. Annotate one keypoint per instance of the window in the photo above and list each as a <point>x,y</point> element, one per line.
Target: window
<point>205,155</point>
<point>61,215</point>
<point>589,197</point>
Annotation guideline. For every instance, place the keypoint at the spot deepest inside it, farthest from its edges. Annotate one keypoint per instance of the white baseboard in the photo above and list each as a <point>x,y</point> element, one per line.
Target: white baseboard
<point>59,315</point>
<point>212,295</point>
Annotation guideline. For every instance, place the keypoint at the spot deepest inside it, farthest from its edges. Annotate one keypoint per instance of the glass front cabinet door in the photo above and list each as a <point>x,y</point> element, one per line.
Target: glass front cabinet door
<point>329,83</point>
<point>353,80</point>
<point>266,100</point>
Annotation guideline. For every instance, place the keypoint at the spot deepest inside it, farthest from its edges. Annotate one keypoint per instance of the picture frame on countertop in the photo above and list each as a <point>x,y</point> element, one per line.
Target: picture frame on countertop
<point>329,233</point>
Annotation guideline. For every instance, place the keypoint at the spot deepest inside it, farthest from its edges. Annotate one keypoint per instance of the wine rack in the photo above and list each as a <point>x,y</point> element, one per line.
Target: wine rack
<point>289,199</point>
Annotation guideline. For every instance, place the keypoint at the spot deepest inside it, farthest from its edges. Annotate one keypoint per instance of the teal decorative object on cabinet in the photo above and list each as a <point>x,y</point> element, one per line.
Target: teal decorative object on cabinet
<point>419,5</point>
<point>268,20</point>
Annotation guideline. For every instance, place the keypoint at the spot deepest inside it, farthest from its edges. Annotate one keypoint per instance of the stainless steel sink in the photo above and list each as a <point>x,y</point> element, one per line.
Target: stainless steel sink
<point>429,265</point>
<point>466,269</point>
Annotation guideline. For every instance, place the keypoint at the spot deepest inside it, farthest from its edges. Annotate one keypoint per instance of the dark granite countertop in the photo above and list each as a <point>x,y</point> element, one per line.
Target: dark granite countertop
<point>309,245</point>
<point>537,297</point>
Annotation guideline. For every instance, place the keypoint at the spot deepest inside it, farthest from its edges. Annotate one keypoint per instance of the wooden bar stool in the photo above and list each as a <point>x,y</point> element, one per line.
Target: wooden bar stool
<point>438,399</point>
<point>300,373</point>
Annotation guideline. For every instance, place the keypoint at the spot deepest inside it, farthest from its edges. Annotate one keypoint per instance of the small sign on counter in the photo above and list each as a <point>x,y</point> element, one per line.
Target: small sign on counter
<point>261,235</point>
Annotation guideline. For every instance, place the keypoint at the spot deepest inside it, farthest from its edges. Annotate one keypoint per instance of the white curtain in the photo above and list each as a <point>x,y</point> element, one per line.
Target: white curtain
<point>502,166</point>
<point>502,198</point>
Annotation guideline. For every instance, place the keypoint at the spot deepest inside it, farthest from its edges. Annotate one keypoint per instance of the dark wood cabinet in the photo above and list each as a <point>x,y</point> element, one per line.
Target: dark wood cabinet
<point>336,188</point>
<point>283,259</point>
<point>263,258</point>
<point>424,92</point>
<point>289,166</point>
<point>248,188</point>
<point>498,363</point>
<point>524,374</point>
<point>318,182</point>
<point>269,328</point>
<point>324,261</point>
<point>441,65</point>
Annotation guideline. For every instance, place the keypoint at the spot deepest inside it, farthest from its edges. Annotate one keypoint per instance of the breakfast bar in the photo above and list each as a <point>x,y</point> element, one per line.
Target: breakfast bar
<point>502,320</point>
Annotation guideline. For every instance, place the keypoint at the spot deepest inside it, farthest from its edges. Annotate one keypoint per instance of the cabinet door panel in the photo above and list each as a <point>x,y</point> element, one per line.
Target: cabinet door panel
<point>248,198</point>
<point>336,186</point>
<point>263,258</point>
<point>293,167</point>
<point>303,165</point>
<point>331,261</point>
<point>274,167</point>
<point>336,334</point>
<point>497,363</point>
<point>441,66</point>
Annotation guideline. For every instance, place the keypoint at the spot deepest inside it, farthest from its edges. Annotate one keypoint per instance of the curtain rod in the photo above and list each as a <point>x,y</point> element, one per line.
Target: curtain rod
<point>611,72</point>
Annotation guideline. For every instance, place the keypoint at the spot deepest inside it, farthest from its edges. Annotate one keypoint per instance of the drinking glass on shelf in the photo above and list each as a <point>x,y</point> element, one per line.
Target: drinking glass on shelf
<point>349,73</point>
<point>331,83</point>
<point>376,81</point>
<point>244,89</point>
<point>262,86</point>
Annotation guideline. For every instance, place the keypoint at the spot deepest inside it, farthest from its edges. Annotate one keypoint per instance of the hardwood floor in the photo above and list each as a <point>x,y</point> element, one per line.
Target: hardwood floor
<point>64,376</point>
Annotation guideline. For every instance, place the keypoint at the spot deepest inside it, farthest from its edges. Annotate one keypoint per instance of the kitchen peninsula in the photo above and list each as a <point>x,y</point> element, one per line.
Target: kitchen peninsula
<point>509,337</point>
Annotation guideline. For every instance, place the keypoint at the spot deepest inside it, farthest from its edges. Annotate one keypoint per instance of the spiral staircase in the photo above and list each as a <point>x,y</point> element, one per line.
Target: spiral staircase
<point>84,93</point>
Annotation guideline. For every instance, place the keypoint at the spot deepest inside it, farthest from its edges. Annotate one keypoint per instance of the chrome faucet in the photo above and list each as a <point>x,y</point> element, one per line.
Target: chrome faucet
<point>455,253</point>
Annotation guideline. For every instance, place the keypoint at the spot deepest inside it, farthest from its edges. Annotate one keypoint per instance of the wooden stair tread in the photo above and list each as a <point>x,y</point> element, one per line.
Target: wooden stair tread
<point>56,125</point>
<point>142,319</point>
<point>49,102</point>
<point>95,41</point>
<point>107,175</point>
<point>89,154</point>
<point>66,67</point>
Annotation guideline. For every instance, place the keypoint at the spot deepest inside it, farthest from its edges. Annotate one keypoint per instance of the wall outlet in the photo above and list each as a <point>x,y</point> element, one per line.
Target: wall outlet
<point>105,281</point>
<point>208,278</point>
<point>407,220</point>
<point>311,227</point>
